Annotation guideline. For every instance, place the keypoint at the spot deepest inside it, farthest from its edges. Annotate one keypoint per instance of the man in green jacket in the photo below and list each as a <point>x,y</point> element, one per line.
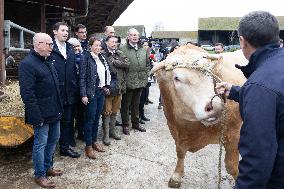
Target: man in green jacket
<point>137,78</point>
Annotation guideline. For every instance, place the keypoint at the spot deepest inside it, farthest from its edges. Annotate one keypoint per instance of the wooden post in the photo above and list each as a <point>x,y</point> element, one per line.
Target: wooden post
<point>42,17</point>
<point>2,55</point>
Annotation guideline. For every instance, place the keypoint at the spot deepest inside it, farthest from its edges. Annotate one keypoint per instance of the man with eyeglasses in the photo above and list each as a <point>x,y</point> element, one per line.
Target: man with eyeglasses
<point>39,88</point>
<point>65,64</point>
<point>81,33</point>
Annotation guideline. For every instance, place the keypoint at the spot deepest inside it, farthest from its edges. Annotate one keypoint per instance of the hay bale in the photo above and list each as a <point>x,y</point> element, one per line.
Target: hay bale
<point>11,103</point>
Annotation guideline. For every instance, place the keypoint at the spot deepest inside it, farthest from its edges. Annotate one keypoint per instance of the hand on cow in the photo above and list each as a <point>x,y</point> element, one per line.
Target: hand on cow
<point>223,88</point>
<point>85,100</point>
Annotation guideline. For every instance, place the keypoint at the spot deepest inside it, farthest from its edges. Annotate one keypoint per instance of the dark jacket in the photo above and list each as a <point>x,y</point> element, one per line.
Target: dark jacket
<point>67,74</point>
<point>261,101</point>
<point>39,89</point>
<point>89,80</point>
<point>84,45</point>
<point>119,64</point>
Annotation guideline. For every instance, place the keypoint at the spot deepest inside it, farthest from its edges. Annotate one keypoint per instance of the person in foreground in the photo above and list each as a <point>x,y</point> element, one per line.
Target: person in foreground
<point>39,90</point>
<point>261,103</point>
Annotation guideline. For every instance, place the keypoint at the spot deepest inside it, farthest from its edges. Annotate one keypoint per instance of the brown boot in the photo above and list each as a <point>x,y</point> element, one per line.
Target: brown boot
<point>98,147</point>
<point>138,127</point>
<point>52,172</point>
<point>44,182</point>
<point>90,152</point>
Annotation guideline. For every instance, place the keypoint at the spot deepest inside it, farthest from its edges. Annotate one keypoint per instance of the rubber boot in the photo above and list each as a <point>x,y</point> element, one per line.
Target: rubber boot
<point>106,122</point>
<point>113,132</point>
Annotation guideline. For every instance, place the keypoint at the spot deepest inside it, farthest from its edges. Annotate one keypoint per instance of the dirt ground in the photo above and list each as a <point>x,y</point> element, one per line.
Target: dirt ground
<point>138,161</point>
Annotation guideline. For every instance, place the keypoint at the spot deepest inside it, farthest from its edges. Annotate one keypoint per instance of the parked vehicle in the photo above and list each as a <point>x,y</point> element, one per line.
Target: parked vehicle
<point>232,47</point>
<point>207,47</point>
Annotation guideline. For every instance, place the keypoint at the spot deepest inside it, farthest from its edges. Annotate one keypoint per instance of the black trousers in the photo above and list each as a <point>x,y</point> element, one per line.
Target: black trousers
<point>143,98</point>
<point>80,119</point>
<point>66,126</point>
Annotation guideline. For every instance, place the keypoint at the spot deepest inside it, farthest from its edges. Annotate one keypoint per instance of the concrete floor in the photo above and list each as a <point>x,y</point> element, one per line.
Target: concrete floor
<point>139,161</point>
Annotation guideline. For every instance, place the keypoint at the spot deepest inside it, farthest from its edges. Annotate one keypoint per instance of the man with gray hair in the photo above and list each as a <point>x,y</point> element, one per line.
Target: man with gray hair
<point>261,102</point>
<point>137,78</point>
<point>39,88</point>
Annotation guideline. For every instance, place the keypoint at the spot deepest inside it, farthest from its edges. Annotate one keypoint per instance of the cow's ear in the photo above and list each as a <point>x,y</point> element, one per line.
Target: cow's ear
<point>215,62</point>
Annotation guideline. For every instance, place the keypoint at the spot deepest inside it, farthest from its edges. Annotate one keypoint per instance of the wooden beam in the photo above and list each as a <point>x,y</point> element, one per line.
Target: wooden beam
<point>43,17</point>
<point>2,55</point>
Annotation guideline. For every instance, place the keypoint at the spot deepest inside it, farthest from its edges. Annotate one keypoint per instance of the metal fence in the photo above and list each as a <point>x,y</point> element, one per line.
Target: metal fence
<point>7,36</point>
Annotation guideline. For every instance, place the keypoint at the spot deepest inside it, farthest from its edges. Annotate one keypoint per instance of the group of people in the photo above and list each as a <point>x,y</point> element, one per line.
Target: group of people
<point>56,81</point>
<point>72,84</point>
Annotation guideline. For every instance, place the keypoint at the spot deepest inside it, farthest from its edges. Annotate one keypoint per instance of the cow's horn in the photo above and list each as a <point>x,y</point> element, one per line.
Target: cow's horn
<point>214,56</point>
<point>157,67</point>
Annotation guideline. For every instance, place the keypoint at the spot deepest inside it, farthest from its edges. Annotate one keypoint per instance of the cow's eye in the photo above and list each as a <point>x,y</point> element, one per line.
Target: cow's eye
<point>176,78</point>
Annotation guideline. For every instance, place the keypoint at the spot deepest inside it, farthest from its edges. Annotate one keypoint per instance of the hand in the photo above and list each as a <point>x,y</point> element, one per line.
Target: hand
<point>39,125</point>
<point>85,100</point>
<point>106,91</point>
<point>223,88</point>
<point>154,63</point>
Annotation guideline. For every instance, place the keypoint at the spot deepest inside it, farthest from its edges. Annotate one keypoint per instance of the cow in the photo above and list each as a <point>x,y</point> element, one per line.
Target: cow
<point>186,80</point>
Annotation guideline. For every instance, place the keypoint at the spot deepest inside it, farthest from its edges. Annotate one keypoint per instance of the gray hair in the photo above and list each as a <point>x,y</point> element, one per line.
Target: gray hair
<point>74,41</point>
<point>259,28</point>
<point>132,30</point>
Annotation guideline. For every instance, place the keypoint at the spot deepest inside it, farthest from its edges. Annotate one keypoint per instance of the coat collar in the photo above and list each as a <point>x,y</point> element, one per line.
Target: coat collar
<point>257,58</point>
<point>56,49</point>
<point>139,46</point>
<point>41,58</point>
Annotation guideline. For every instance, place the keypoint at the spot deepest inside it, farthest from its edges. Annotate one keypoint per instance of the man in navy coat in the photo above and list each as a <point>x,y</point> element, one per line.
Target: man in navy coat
<point>39,90</point>
<point>68,75</point>
<point>261,102</point>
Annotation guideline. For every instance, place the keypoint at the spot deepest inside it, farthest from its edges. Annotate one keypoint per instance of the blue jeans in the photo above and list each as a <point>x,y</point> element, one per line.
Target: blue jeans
<point>93,113</point>
<point>45,140</point>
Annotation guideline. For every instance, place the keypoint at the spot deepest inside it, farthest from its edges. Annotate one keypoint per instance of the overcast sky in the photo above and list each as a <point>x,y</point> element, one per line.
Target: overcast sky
<point>182,15</point>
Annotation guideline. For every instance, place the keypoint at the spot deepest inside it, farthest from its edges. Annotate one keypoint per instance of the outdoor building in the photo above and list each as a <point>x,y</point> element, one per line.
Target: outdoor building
<point>20,19</point>
<point>175,36</point>
<point>223,30</point>
<point>122,31</point>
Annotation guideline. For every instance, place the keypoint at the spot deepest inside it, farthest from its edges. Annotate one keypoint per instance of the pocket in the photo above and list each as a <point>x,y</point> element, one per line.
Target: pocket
<point>142,75</point>
<point>47,107</point>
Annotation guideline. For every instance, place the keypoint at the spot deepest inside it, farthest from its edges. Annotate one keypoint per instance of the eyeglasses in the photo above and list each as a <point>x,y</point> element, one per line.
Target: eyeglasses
<point>49,44</point>
<point>82,32</point>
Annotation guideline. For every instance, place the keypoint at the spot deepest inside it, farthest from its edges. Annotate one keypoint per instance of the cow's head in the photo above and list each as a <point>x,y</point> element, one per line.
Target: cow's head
<point>193,83</point>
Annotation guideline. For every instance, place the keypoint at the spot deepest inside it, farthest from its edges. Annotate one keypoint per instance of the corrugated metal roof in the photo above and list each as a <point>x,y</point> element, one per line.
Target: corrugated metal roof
<point>103,13</point>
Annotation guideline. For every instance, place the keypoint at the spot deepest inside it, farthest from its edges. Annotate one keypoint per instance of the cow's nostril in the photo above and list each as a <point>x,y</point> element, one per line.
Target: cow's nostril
<point>209,107</point>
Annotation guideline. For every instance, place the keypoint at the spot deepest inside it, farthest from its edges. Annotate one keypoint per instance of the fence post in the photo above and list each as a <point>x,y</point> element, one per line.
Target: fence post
<point>2,55</point>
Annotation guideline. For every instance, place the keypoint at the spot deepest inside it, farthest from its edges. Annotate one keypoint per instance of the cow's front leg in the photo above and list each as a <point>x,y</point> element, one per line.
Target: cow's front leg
<point>232,157</point>
<point>175,180</point>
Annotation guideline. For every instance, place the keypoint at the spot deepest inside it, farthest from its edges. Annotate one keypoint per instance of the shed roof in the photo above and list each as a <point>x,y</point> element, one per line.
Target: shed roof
<point>104,13</point>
